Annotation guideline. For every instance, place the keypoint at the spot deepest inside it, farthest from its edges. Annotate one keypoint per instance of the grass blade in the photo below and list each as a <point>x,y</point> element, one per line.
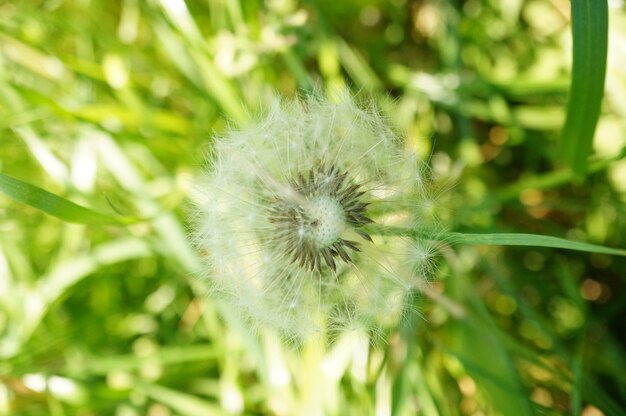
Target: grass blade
<point>182,403</point>
<point>53,285</point>
<point>590,39</point>
<point>535,240</point>
<point>502,239</point>
<point>53,204</point>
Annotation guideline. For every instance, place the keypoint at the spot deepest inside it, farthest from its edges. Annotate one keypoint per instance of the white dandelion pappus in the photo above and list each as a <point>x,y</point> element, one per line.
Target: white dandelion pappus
<point>286,211</point>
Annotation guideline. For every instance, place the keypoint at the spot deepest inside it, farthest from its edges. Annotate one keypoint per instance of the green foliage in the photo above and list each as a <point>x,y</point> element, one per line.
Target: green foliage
<point>519,239</point>
<point>590,29</point>
<point>123,98</point>
<point>53,204</point>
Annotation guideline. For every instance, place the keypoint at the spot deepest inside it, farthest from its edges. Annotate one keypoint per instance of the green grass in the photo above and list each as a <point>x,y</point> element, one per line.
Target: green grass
<point>590,22</point>
<point>106,112</point>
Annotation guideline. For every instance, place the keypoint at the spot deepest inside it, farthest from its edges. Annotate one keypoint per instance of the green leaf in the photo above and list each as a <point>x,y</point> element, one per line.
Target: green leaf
<point>166,355</point>
<point>555,178</point>
<point>183,403</point>
<point>54,284</point>
<point>486,353</point>
<point>519,239</point>
<point>55,205</point>
<point>485,358</point>
<point>500,239</point>
<point>590,39</point>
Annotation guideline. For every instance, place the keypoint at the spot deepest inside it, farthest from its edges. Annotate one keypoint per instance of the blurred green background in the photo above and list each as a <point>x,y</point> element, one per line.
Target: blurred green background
<point>112,104</point>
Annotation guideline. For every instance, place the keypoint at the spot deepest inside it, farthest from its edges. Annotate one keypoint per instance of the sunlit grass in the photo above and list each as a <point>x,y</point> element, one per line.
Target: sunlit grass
<point>113,105</point>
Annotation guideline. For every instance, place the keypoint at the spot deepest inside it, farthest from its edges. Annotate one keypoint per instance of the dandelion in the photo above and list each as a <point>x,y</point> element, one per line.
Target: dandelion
<point>294,212</point>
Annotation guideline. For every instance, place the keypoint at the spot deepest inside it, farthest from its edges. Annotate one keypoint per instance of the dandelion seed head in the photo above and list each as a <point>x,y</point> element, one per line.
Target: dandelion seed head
<point>285,213</point>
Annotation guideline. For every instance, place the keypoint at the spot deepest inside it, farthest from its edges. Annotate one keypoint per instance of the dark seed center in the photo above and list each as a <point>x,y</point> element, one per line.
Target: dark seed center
<point>308,229</point>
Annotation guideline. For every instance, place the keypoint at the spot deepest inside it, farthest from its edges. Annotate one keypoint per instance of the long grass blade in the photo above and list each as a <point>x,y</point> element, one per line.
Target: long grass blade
<point>535,240</point>
<point>55,205</point>
<point>590,39</point>
<point>502,239</point>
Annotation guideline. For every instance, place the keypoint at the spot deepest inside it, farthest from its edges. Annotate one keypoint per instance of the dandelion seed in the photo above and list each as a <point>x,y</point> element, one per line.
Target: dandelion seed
<point>290,212</point>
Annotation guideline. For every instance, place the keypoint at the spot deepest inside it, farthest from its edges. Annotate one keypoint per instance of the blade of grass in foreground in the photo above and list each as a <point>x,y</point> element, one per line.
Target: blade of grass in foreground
<point>520,239</point>
<point>55,205</point>
<point>590,37</point>
<point>501,239</point>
